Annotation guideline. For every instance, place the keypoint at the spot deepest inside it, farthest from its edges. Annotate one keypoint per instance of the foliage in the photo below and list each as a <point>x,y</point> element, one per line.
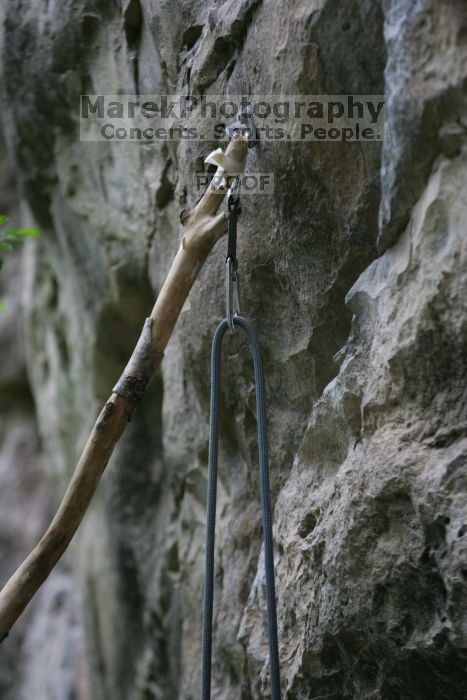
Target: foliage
<point>11,237</point>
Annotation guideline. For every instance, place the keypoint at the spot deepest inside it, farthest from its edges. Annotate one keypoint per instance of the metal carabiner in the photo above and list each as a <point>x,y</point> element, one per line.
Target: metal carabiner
<point>232,297</point>
<point>233,195</point>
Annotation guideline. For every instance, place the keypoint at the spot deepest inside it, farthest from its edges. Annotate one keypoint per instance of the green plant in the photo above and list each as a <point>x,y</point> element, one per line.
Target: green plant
<point>11,237</point>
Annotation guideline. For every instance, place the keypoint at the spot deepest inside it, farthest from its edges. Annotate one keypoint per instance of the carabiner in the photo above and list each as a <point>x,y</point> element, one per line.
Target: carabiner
<point>233,198</point>
<point>232,297</point>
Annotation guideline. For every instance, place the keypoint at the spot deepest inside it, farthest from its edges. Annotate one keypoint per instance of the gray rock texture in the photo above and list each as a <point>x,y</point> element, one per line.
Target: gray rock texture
<point>50,634</point>
<point>354,274</point>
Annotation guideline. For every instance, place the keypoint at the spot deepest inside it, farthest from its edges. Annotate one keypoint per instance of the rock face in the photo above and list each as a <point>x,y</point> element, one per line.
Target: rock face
<point>50,634</point>
<point>354,275</point>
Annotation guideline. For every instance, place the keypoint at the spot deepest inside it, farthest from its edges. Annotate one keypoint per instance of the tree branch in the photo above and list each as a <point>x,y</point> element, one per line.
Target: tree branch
<point>202,228</point>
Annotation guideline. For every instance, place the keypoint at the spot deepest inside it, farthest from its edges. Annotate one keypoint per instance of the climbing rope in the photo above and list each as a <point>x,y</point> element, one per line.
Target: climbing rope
<point>234,320</point>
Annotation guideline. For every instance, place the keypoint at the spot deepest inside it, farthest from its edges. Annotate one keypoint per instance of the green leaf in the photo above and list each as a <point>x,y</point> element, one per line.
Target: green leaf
<point>13,236</point>
<point>31,232</point>
<point>21,232</point>
<point>2,305</point>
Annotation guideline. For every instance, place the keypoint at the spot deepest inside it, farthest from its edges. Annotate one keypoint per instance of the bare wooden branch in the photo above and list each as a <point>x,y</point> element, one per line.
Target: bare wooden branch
<point>202,228</point>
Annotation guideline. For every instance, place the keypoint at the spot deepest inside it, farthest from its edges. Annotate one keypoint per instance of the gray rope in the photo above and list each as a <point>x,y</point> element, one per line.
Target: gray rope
<point>211,508</point>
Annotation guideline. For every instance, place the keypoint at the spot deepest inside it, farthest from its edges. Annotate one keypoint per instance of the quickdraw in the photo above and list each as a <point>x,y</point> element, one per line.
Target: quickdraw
<point>232,321</point>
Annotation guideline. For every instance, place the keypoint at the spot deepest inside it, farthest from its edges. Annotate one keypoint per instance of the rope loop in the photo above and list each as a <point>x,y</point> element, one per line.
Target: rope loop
<point>265,493</point>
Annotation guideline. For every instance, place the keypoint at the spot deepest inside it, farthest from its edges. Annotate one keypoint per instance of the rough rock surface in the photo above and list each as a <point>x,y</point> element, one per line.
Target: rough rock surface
<point>50,634</point>
<point>354,275</point>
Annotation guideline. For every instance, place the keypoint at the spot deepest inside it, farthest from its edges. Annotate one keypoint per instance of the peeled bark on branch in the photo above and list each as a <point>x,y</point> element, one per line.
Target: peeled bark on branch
<point>203,227</point>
